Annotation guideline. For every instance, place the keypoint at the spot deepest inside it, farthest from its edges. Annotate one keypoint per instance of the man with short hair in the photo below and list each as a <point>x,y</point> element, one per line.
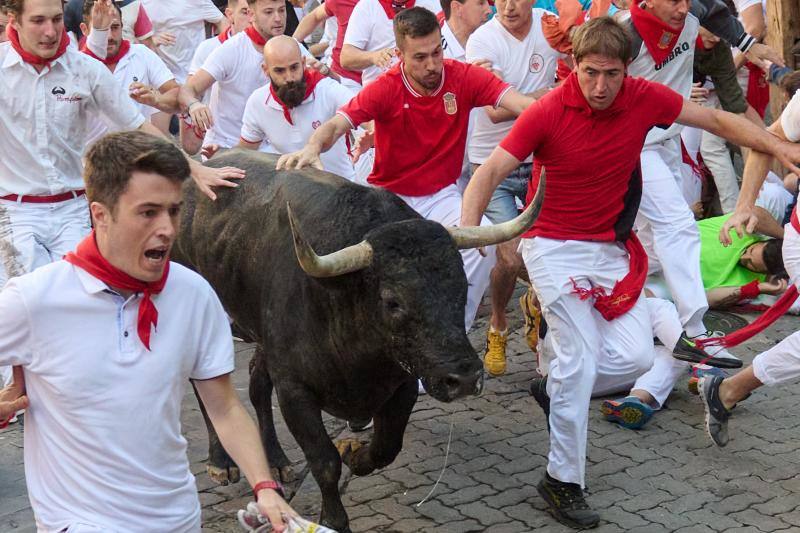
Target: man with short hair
<point>585,263</point>
<point>461,19</point>
<point>137,69</point>
<point>513,42</point>
<point>297,100</point>
<point>420,108</point>
<point>103,444</point>
<point>369,43</point>
<point>236,69</point>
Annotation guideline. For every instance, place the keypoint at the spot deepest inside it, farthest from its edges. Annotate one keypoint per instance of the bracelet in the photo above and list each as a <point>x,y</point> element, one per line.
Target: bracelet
<point>274,485</point>
<point>749,291</point>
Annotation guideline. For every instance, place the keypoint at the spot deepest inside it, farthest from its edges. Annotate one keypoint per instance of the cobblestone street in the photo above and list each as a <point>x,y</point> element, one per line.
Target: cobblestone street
<point>666,477</point>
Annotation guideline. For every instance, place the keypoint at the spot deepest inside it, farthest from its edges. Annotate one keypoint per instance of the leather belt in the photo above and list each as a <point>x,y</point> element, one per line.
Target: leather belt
<point>53,198</point>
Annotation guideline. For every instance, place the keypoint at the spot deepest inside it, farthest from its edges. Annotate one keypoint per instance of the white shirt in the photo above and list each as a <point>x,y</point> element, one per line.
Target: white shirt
<point>790,119</point>
<point>451,48</point>
<point>675,73</point>
<point>103,443</point>
<point>264,121</point>
<point>200,55</point>
<point>45,117</point>
<point>528,65</point>
<point>130,15</point>
<point>369,29</point>
<point>236,67</point>
<point>141,65</point>
<point>185,19</point>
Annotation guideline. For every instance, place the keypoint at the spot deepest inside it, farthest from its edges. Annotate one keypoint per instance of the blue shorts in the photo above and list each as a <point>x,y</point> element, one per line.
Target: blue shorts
<point>503,205</point>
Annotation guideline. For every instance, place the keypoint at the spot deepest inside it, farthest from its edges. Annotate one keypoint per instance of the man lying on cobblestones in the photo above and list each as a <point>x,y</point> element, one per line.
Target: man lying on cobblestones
<point>585,264</point>
<point>103,444</point>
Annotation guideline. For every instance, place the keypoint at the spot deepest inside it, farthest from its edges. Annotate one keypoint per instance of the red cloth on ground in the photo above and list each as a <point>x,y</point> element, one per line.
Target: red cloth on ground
<point>88,257</point>
<point>33,59</point>
<point>658,36</point>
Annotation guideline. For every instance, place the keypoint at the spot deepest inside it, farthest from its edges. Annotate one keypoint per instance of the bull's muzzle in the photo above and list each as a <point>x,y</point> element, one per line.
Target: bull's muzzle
<point>454,385</point>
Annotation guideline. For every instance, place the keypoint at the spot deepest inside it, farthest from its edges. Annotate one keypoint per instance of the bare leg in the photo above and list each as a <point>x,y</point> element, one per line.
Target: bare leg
<point>736,388</point>
<point>503,280</point>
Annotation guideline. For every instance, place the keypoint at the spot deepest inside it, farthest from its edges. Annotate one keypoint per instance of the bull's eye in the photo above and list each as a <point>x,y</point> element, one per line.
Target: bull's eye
<point>392,305</point>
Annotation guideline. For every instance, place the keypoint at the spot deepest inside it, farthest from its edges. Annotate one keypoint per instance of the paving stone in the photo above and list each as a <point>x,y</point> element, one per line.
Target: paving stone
<point>483,513</point>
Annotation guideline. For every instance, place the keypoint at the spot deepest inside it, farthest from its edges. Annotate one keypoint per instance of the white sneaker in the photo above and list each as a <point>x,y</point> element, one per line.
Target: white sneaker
<point>718,352</point>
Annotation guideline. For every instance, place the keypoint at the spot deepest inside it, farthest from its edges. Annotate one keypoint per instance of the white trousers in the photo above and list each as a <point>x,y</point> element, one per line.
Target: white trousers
<point>781,363</point>
<point>33,235</point>
<point>444,207</point>
<point>668,232</point>
<point>718,160</point>
<point>589,351</point>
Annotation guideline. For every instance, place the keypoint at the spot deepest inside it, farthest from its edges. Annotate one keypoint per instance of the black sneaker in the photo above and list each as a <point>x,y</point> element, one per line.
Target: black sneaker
<point>716,413</point>
<point>538,390</point>
<point>567,504</point>
<point>688,350</point>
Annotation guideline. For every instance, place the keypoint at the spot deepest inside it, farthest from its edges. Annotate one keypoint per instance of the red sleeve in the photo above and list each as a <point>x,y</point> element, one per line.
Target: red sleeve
<point>368,103</point>
<point>143,25</point>
<point>329,7</point>
<point>662,102</point>
<point>484,87</point>
<point>528,133</point>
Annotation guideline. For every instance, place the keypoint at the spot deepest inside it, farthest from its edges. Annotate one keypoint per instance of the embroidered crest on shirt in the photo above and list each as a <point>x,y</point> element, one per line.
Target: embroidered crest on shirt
<point>665,39</point>
<point>450,106</point>
<point>536,63</point>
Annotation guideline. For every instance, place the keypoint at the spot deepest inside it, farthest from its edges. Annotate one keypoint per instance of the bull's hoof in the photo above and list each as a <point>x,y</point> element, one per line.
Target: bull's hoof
<point>223,476</point>
<point>284,475</point>
<point>346,448</point>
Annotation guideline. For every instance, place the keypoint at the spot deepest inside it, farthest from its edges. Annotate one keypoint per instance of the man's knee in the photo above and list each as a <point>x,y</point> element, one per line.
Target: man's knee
<point>508,258</point>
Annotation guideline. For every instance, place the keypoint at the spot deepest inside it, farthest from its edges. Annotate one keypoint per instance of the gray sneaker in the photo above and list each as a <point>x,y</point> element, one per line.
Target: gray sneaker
<point>716,413</point>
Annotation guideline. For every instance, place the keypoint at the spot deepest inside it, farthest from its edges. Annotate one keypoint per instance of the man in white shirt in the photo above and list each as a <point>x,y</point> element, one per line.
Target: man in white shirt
<point>287,111</point>
<point>137,69</point>
<point>236,69</point>
<point>515,45</point>
<point>461,19</point>
<point>369,42</point>
<point>238,16</point>
<point>103,443</point>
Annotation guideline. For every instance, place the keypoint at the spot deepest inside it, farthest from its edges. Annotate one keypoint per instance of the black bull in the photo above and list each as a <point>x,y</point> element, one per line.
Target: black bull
<point>347,331</point>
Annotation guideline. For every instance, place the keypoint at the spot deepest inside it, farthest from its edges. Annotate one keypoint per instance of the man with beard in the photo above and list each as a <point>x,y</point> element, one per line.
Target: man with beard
<point>236,68</point>
<point>136,68</point>
<point>421,108</point>
<point>297,100</point>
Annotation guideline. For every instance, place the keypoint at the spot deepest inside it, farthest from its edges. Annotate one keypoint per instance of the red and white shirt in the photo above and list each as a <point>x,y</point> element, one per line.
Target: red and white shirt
<point>341,9</point>
<point>136,25</point>
<point>590,157</point>
<point>420,140</point>
<point>45,119</point>
<point>371,29</point>
<point>264,121</point>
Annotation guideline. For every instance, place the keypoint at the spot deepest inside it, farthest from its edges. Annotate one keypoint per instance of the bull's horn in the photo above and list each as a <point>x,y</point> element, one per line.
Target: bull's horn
<point>477,236</point>
<point>344,261</point>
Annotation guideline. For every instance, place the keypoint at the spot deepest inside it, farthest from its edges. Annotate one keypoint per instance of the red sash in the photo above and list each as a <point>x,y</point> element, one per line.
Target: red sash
<point>658,36</point>
<point>757,88</point>
<point>87,256</point>
<point>312,78</point>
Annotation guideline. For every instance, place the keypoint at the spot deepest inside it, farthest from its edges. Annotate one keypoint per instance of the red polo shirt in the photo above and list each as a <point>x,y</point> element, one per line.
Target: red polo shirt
<point>341,9</point>
<point>419,140</point>
<point>591,158</point>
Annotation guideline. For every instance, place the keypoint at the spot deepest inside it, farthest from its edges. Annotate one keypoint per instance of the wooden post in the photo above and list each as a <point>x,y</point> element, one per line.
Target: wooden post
<point>783,31</point>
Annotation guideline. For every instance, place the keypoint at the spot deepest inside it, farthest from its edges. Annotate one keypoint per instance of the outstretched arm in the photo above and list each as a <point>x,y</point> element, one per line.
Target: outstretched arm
<point>483,183</point>
<point>321,141</point>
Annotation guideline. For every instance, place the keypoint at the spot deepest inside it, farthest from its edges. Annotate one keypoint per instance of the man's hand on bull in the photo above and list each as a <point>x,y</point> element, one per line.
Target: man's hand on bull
<point>13,398</point>
<point>308,156</point>
<point>206,177</point>
<point>273,507</point>
<point>760,53</point>
<point>209,150</point>
<point>201,115</point>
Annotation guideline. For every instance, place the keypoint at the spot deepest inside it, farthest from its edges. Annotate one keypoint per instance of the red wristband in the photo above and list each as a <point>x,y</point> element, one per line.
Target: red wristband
<point>749,291</point>
<point>274,485</point>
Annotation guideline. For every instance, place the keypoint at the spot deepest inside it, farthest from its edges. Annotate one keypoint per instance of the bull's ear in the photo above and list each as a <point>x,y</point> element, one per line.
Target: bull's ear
<point>344,261</point>
<point>475,237</point>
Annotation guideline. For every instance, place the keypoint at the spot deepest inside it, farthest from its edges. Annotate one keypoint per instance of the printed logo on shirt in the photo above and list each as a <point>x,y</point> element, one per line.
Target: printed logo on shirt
<point>666,37</point>
<point>536,63</point>
<point>316,124</point>
<point>58,90</point>
<point>678,50</point>
<point>60,94</point>
<point>450,106</point>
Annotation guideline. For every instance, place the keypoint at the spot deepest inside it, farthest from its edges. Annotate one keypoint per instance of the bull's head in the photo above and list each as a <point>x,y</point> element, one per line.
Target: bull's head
<point>421,290</point>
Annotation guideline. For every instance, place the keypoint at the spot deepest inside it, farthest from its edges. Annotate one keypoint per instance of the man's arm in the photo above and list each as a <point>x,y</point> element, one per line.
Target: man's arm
<point>248,145</point>
<point>189,99</point>
<point>353,58</point>
<point>310,22</point>
<point>240,438</point>
<point>321,141</point>
<point>511,105</point>
<point>164,98</point>
<point>13,398</point>
<point>725,297</point>
<point>483,183</point>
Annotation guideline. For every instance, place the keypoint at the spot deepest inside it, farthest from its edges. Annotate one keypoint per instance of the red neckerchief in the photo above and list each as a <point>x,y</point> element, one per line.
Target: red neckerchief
<point>88,257</point>
<point>757,88</point>
<point>626,291</point>
<point>224,36</point>
<point>393,8</point>
<point>124,48</point>
<point>658,36</point>
<point>33,59</point>
<point>312,79</point>
<point>256,37</point>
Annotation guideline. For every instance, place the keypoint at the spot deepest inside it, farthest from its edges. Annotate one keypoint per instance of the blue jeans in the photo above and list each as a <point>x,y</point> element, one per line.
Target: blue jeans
<point>503,206</point>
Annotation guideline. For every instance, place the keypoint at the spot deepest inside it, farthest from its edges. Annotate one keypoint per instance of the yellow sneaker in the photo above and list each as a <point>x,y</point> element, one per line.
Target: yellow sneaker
<point>494,361</point>
<point>533,318</point>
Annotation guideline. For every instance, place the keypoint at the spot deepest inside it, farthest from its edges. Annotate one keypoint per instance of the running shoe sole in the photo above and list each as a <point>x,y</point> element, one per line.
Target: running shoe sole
<point>701,358</point>
<point>627,413</point>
